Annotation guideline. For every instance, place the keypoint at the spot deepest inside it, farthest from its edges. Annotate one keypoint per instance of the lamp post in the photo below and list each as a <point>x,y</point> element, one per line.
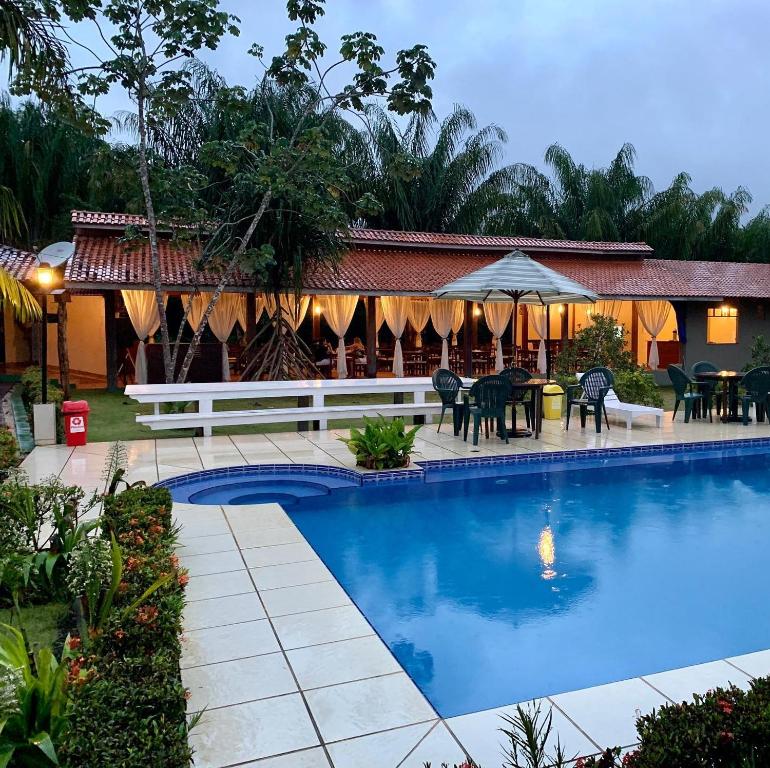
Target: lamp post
<point>44,277</point>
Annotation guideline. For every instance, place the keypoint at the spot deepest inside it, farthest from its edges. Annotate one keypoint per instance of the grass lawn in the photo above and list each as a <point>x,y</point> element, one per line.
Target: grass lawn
<point>113,415</point>
<point>42,623</point>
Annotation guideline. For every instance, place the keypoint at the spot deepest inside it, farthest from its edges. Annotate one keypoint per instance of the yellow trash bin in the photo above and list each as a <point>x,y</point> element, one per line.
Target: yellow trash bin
<point>552,396</point>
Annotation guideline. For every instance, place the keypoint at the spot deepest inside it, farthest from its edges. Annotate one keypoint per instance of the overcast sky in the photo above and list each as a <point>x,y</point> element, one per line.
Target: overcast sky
<point>685,81</point>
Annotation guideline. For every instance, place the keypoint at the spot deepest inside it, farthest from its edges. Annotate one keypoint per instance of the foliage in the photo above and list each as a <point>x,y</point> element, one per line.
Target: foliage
<point>9,450</point>
<point>34,701</point>
<point>759,353</point>
<point>724,727</point>
<point>449,184</point>
<point>598,344</point>
<point>31,389</point>
<point>131,684</point>
<point>382,444</point>
<point>528,733</point>
<point>90,573</point>
<point>638,386</point>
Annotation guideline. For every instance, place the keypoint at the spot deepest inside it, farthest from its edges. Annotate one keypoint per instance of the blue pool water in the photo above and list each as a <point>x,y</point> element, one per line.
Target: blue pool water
<point>494,590</point>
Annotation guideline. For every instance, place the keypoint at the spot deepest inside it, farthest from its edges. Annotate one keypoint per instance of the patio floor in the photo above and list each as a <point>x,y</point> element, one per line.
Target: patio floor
<point>291,673</point>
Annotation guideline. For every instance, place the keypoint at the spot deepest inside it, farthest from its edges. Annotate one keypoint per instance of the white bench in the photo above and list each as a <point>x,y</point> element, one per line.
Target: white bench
<point>628,411</point>
<point>316,390</point>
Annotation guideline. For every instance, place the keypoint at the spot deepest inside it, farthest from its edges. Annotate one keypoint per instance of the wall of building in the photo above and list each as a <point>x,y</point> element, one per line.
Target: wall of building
<point>17,339</point>
<point>753,319</point>
<point>85,334</point>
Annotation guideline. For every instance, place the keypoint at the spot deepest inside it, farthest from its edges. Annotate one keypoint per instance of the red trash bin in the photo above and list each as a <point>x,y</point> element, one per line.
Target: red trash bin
<point>75,421</point>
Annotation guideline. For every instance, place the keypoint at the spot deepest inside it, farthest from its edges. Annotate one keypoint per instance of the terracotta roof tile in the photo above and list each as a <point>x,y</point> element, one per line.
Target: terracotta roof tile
<point>18,263</point>
<point>102,261</point>
<point>97,219</point>
<point>488,242</point>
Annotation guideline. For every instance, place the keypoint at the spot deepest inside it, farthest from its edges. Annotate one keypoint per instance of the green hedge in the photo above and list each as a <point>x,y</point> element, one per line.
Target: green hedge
<point>129,707</point>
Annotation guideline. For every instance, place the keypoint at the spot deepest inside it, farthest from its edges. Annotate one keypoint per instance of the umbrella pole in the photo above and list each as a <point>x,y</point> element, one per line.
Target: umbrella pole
<point>515,332</point>
<point>548,341</point>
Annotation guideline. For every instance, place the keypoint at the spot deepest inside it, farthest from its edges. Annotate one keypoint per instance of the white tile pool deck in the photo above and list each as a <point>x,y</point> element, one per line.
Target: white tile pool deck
<point>290,672</point>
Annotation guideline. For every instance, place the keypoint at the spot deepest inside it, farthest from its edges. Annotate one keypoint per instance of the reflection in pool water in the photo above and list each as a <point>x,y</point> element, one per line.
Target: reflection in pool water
<point>490,593</point>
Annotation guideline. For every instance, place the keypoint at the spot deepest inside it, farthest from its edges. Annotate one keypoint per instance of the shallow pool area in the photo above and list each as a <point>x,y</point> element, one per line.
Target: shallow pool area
<point>496,583</point>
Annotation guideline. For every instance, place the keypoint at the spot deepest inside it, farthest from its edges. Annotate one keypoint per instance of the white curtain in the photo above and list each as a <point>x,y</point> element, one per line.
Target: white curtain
<point>443,313</point>
<point>242,319</point>
<point>419,314</point>
<point>142,309</point>
<point>292,309</point>
<point>458,320</point>
<point>653,316</point>
<point>497,314</point>
<point>338,311</point>
<point>222,321</point>
<point>539,319</point>
<point>395,310</point>
<point>608,308</point>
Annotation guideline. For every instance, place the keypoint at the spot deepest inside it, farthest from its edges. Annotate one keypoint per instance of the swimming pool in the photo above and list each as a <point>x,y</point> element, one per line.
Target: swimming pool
<point>529,581</point>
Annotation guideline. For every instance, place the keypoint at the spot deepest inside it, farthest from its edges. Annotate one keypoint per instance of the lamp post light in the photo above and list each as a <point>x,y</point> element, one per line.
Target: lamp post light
<point>44,276</point>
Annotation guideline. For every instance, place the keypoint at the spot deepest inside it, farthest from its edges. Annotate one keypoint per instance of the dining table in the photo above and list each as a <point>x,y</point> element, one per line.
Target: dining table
<point>535,386</point>
<point>729,381</point>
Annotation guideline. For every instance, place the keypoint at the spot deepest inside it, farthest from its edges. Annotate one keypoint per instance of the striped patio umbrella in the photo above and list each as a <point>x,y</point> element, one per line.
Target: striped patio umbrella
<point>517,278</point>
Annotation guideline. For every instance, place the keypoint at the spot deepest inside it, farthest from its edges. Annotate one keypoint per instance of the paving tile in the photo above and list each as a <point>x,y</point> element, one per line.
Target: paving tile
<point>342,662</point>
<point>220,611</point>
<point>608,713</point>
<point>378,750</point>
<point>244,732</point>
<point>755,664</point>
<point>213,527</point>
<point>215,562</point>
<point>680,684</point>
<point>204,545</point>
<point>233,641</point>
<point>307,758</point>
<point>290,574</point>
<point>367,706</point>
<point>479,732</point>
<point>279,554</point>
<point>436,748</point>
<point>253,519</point>
<point>306,629</point>
<point>309,597</point>
<point>235,682</point>
<point>218,585</point>
<point>267,537</point>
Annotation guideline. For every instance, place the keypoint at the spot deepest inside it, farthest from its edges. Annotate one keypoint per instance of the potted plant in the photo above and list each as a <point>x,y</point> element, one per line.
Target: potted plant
<point>382,444</point>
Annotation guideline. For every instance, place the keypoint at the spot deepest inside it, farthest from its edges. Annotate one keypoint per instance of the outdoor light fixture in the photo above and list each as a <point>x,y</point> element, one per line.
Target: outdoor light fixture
<point>44,275</point>
<point>476,311</point>
<point>561,309</point>
<point>317,309</point>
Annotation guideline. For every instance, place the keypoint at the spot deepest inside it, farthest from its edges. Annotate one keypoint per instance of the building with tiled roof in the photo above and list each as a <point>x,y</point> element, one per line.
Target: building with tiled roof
<point>384,262</point>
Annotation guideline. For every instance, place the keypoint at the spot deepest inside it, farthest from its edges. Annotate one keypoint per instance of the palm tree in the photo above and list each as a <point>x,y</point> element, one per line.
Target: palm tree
<point>429,177</point>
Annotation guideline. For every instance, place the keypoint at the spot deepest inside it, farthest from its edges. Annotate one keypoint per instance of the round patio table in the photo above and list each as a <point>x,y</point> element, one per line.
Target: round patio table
<point>729,381</point>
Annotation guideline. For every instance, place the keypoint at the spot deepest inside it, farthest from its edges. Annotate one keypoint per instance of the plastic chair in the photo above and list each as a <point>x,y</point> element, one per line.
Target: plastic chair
<point>447,384</point>
<point>520,376</point>
<point>683,392</point>
<point>757,385</point>
<point>489,396</point>
<point>708,388</point>
<point>590,392</point>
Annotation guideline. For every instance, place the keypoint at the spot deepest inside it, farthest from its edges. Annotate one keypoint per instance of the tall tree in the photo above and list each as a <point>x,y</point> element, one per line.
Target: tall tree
<point>430,176</point>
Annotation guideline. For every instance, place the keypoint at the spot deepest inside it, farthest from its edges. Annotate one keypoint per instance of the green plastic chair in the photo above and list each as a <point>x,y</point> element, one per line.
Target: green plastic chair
<point>683,392</point>
<point>590,392</point>
<point>708,388</point>
<point>447,384</point>
<point>520,376</point>
<point>757,385</point>
<point>489,396</point>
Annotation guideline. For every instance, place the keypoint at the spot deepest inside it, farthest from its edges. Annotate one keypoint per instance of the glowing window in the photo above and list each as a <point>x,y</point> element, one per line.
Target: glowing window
<point>722,325</point>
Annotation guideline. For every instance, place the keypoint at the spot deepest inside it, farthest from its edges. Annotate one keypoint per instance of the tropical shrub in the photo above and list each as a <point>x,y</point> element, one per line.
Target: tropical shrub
<point>9,452</point>
<point>759,354</point>
<point>725,727</point>
<point>130,681</point>
<point>600,343</point>
<point>382,444</point>
<point>32,389</point>
<point>638,386</point>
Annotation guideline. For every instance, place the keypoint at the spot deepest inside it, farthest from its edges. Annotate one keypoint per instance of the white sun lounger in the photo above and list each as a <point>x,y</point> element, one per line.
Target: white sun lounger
<point>628,411</point>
